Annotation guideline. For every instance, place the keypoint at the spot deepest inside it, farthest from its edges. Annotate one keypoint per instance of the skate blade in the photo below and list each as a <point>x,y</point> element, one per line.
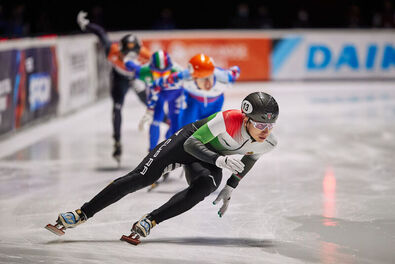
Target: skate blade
<point>54,230</point>
<point>153,186</point>
<point>133,239</point>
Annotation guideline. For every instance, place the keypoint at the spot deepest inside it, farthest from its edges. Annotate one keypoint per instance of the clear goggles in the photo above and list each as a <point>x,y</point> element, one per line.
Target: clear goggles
<point>262,126</point>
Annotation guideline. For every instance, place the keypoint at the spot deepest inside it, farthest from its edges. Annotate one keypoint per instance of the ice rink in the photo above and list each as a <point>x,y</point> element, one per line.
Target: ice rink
<point>326,194</point>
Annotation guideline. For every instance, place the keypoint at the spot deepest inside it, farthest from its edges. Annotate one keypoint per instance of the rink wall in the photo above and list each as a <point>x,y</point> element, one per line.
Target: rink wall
<point>49,76</point>
<point>286,54</point>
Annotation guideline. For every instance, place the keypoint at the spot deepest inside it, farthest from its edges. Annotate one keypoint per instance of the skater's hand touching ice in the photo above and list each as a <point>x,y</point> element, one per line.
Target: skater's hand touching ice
<point>231,163</point>
<point>224,195</point>
<point>146,119</point>
<point>82,20</point>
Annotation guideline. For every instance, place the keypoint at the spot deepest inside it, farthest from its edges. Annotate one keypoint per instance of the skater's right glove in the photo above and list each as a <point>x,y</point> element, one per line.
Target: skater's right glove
<point>146,119</point>
<point>224,195</point>
<point>82,20</point>
<point>231,163</point>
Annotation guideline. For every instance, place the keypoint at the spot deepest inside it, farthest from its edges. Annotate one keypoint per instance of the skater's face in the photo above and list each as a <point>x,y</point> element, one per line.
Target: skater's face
<point>258,131</point>
<point>205,83</point>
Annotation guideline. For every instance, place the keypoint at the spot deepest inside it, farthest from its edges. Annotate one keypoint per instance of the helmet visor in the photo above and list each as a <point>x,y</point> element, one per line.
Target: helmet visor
<point>262,126</point>
<point>158,74</point>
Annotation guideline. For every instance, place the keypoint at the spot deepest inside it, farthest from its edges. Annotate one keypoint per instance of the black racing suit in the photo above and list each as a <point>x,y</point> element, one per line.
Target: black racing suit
<point>120,82</point>
<point>203,178</point>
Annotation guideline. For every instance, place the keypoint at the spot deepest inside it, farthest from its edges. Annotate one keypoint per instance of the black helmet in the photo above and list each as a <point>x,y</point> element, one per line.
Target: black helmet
<point>260,107</point>
<point>130,43</point>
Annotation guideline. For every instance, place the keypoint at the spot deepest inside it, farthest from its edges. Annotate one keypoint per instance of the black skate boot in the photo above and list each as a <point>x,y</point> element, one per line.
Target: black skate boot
<point>117,152</point>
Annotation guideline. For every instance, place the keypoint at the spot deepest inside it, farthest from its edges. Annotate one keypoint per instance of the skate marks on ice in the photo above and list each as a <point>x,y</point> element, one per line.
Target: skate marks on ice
<point>346,241</point>
<point>18,254</point>
<point>334,240</point>
<point>238,242</point>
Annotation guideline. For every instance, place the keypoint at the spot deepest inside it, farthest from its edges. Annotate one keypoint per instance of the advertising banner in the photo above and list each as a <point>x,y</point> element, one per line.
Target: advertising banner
<point>7,105</point>
<point>250,54</point>
<point>77,73</point>
<point>35,90</point>
<point>334,56</point>
<point>103,72</point>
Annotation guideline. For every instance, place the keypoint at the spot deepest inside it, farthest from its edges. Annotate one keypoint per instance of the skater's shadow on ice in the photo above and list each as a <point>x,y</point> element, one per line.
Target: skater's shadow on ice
<point>61,241</point>
<point>214,241</point>
<point>191,241</point>
<point>112,168</point>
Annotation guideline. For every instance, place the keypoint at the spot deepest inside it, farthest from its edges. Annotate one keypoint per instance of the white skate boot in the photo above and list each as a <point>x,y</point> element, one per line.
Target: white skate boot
<point>67,220</point>
<point>141,228</point>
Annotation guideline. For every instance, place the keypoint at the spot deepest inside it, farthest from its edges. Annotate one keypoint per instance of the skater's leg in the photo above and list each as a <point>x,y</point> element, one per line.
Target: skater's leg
<point>205,179</point>
<point>167,156</point>
<point>174,113</point>
<point>129,183</point>
<point>118,90</point>
<point>154,131</point>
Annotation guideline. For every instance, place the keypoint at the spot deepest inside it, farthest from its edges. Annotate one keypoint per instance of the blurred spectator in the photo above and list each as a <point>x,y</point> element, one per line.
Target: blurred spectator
<point>263,19</point>
<point>354,16</point>
<point>302,18</point>
<point>386,17</point>
<point>165,20</point>
<point>242,18</point>
<point>3,24</point>
<point>42,24</point>
<point>17,27</point>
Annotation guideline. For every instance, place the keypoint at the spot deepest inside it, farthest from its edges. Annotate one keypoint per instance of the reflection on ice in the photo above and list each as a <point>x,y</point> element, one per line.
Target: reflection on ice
<point>329,192</point>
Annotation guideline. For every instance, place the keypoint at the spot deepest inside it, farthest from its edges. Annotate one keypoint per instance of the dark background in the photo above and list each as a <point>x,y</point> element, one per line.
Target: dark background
<point>30,18</point>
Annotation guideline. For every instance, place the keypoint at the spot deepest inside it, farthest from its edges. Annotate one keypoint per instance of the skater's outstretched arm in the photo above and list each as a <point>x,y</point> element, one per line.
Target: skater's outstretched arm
<point>87,26</point>
<point>226,193</point>
<point>227,75</point>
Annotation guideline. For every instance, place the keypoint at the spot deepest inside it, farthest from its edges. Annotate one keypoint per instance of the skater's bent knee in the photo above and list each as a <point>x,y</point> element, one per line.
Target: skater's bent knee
<point>205,184</point>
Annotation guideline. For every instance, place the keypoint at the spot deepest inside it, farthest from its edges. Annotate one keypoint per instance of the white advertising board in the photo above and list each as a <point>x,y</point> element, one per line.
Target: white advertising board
<point>334,56</point>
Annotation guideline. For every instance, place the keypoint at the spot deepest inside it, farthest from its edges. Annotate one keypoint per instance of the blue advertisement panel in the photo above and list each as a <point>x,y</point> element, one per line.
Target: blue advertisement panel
<point>36,87</point>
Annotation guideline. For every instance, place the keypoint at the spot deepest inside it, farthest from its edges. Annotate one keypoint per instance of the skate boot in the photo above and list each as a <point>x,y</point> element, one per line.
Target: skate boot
<point>144,226</point>
<point>141,228</point>
<point>117,152</point>
<point>67,220</point>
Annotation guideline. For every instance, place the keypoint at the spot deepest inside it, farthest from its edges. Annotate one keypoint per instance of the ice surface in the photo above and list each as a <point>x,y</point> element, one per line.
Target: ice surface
<point>325,195</point>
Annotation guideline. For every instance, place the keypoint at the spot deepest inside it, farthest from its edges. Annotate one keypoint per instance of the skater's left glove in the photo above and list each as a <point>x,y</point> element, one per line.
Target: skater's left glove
<point>146,119</point>
<point>235,73</point>
<point>224,195</point>
<point>82,20</point>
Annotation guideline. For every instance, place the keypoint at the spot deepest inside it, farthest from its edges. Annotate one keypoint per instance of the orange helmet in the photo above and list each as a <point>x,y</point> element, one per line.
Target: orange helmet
<point>201,66</point>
